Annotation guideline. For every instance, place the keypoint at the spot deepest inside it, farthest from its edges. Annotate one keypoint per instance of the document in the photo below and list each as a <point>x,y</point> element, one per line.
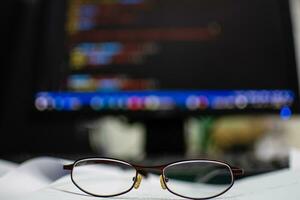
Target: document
<point>44,178</point>
<point>6,166</point>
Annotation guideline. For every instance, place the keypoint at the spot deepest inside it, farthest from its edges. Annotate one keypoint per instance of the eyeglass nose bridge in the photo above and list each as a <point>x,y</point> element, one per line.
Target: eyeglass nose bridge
<point>142,172</point>
<point>139,178</point>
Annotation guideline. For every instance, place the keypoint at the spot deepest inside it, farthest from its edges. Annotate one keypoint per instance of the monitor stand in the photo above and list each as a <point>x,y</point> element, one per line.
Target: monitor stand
<point>165,136</point>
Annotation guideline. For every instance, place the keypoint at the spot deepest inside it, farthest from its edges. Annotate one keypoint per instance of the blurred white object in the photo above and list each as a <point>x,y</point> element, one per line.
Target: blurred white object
<point>274,144</point>
<point>115,137</point>
<point>193,137</point>
<point>294,159</point>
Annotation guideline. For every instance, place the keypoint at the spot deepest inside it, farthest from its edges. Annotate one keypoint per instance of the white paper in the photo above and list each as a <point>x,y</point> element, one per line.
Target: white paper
<point>30,176</point>
<point>276,186</point>
<point>45,179</point>
<point>6,166</point>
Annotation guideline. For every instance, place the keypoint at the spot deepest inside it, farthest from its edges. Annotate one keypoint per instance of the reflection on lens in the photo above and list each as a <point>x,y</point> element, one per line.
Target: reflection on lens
<point>103,177</point>
<point>198,179</point>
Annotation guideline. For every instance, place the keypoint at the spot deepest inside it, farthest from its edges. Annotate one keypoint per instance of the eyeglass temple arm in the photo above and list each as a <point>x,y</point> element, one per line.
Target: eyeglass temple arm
<point>68,167</point>
<point>237,171</point>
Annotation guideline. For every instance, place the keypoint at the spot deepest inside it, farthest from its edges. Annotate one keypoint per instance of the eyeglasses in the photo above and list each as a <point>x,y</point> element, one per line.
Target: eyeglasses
<point>192,179</point>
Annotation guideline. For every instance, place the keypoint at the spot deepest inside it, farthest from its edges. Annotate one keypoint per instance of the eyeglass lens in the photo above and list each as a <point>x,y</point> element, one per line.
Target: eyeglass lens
<point>103,177</point>
<point>198,179</point>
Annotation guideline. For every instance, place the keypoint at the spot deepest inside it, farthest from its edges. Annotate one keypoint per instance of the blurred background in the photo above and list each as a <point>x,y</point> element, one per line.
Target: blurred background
<point>151,81</point>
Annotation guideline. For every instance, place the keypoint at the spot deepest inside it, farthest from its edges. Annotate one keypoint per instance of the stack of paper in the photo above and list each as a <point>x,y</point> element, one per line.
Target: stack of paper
<point>44,178</point>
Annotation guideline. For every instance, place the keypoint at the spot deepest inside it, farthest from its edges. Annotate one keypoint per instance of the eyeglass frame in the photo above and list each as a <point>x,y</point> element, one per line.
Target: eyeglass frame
<point>140,169</point>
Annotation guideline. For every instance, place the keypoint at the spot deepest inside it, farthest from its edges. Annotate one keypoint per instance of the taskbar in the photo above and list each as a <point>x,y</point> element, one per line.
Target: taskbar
<point>163,100</point>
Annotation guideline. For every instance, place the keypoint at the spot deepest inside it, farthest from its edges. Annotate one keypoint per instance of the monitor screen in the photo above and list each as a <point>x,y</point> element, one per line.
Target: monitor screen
<point>173,55</point>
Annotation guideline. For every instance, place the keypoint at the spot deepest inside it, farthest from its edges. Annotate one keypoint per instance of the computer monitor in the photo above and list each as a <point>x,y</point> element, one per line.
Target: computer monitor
<point>170,58</point>
<point>171,55</point>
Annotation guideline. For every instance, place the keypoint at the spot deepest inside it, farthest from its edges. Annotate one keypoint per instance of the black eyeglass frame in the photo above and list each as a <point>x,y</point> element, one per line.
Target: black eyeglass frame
<point>141,169</point>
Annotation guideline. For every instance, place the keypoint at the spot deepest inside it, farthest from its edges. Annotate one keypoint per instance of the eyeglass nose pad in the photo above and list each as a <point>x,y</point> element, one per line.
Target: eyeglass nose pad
<point>137,181</point>
<point>162,183</point>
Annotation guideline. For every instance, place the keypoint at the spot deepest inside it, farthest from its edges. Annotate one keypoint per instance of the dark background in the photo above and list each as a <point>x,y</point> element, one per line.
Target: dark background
<point>33,59</point>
